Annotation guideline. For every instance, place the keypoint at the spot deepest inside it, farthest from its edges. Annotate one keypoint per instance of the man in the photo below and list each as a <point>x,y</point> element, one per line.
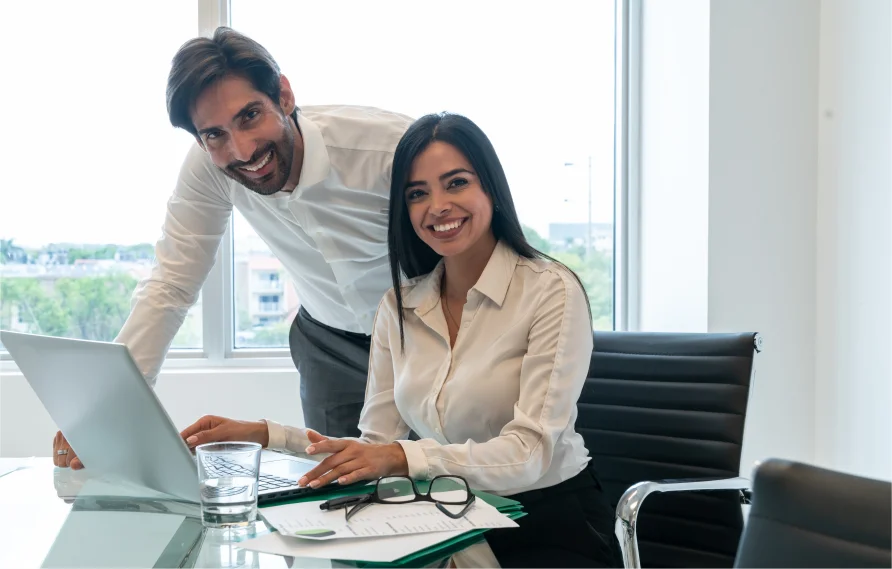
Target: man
<point>314,183</point>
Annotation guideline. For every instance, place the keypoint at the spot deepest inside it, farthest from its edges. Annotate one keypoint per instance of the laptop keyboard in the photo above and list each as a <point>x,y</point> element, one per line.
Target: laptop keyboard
<point>221,467</point>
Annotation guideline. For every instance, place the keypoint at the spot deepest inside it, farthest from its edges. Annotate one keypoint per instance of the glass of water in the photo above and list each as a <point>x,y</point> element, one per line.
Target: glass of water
<point>227,478</point>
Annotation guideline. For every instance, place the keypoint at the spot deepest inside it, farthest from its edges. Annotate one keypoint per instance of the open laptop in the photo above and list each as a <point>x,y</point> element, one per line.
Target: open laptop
<point>99,400</point>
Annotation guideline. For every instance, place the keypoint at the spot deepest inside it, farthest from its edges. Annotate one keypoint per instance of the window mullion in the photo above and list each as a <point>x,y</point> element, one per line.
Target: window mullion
<point>627,151</point>
<point>211,14</point>
<point>216,314</point>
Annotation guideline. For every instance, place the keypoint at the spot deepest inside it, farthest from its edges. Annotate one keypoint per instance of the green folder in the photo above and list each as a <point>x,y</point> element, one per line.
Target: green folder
<point>511,508</point>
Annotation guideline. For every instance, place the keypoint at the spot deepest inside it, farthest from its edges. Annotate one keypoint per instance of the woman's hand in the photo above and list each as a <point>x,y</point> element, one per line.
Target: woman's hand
<point>351,461</point>
<point>212,429</point>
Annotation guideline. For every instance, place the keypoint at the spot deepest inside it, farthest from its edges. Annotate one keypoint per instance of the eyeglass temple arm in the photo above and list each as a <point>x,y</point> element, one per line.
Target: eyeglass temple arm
<point>350,511</point>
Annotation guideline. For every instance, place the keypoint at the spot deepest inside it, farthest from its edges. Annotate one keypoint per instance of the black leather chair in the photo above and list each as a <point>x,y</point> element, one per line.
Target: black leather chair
<point>664,413</point>
<point>804,516</point>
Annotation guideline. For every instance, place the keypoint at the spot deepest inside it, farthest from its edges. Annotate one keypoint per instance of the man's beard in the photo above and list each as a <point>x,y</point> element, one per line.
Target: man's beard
<point>274,181</point>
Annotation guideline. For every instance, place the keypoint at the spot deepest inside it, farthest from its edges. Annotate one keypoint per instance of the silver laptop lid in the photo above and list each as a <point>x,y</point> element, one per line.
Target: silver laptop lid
<point>99,400</point>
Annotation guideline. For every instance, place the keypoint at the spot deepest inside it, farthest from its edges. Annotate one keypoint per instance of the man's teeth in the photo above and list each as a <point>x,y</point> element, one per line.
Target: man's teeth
<point>260,164</point>
<point>448,226</point>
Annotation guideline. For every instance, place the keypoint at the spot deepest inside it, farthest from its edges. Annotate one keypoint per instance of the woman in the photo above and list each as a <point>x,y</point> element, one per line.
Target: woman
<point>482,352</point>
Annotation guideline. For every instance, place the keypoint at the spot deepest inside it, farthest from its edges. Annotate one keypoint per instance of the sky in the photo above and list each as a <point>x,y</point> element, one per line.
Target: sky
<point>96,158</point>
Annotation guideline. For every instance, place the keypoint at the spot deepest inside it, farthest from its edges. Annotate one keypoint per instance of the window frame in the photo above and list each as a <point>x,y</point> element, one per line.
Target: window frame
<point>218,306</point>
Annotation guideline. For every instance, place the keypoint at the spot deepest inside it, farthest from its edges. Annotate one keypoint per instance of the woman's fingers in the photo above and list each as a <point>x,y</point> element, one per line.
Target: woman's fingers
<point>328,464</point>
<point>366,473</point>
<point>315,437</point>
<point>329,446</point>
<point>337,472</point>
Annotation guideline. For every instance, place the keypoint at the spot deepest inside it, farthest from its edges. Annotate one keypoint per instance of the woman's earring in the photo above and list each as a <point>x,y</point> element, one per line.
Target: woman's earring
<point>497,207</point>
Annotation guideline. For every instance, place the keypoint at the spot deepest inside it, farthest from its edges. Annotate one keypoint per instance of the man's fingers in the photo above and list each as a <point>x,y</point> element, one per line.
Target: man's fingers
<point>56,458</point>
<point>206,423</point>
<point>198,438</point>
<point>217,434</point>
<point>59,443</point>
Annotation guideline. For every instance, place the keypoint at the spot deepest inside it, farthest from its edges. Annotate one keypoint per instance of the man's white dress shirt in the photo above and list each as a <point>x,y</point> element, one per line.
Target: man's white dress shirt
<point>500,407</point>
<point>330,233</point>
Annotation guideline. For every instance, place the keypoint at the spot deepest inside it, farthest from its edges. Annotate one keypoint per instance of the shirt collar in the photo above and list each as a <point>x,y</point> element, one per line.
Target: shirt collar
<point>316,163</point>
<point>493,282</point>
<point>498,272</point>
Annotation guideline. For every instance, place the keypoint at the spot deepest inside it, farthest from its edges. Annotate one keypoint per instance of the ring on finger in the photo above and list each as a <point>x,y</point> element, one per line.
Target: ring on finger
<point>62,451</point>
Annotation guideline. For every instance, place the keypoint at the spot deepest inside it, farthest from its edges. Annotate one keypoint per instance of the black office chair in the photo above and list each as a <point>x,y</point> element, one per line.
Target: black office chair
<point>664,413</point>
<point>804,516</point>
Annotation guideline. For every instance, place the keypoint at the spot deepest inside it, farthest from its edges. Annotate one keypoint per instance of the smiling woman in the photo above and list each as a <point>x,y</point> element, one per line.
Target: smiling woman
<point>478,297</point>
<point>448,209</point>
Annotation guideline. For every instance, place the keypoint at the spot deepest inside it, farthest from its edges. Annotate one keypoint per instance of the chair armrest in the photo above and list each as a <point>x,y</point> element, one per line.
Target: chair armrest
<point>626,525</point>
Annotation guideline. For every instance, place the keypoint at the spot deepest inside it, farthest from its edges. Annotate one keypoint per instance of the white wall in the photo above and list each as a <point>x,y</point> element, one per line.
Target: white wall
<point>797,209</point>
<point>674,165</point>
<point>729,178</point>
<point>27,430</point>
<point>854,244</point>
<point>762,203</point>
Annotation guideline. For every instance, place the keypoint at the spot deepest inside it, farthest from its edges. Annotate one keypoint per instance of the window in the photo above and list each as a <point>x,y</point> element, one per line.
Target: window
<point>95,161</point>
<point>262,319</point>
<point>539,81</point>
<point>98,158</point>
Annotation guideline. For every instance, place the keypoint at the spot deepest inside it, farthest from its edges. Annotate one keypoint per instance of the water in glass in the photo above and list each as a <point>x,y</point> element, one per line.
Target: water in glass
<point>228,474</point>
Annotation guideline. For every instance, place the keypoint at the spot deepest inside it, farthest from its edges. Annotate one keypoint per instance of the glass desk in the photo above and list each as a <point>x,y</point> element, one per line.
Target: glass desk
<point>54,517</point>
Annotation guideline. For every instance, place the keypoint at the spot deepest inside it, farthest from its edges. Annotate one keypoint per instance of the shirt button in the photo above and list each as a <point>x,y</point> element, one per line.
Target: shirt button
<point>437,430</point>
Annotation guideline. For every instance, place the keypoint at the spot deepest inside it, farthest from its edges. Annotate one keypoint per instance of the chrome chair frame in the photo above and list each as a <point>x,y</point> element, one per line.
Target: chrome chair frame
<point>626,525</point>
<point>628,507</point>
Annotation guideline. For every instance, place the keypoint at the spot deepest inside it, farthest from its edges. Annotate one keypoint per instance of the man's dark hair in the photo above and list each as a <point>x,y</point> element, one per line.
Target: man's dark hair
<point>201,62</point>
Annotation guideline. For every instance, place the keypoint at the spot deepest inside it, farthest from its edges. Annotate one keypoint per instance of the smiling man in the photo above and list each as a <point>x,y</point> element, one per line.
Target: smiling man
<point>314,183</point>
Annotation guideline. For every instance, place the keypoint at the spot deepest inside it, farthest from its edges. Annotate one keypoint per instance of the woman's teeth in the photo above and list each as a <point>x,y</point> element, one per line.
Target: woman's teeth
<point>260,164</point>
<point>448,226</point>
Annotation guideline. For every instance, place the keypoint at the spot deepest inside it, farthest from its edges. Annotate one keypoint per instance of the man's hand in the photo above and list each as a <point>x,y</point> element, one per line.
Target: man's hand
<point>68,456</point>
<point>351,461</point>
<point>212,429</point>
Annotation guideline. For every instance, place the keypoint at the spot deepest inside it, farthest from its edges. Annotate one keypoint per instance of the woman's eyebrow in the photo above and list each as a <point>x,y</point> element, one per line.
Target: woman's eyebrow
<point>442,177</point>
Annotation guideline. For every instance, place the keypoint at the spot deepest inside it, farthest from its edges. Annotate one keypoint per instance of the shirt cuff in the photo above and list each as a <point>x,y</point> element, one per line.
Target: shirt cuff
<point>419,468</point>
<point>276,434</point>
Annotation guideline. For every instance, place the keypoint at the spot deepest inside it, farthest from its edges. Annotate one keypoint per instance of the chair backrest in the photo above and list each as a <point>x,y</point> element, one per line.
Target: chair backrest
<point>667,406</point>
<point>804,516</point>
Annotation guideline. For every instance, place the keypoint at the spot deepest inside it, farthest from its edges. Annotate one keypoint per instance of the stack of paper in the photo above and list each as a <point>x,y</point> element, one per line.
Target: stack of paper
<point>306,520</point>
<point>397,534</point>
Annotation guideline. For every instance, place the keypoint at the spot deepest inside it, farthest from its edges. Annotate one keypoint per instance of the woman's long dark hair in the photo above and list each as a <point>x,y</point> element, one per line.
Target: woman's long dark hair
<point>411,256</point>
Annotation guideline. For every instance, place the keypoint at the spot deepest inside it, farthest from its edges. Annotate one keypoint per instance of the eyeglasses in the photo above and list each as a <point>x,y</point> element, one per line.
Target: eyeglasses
<point>450,494</point>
